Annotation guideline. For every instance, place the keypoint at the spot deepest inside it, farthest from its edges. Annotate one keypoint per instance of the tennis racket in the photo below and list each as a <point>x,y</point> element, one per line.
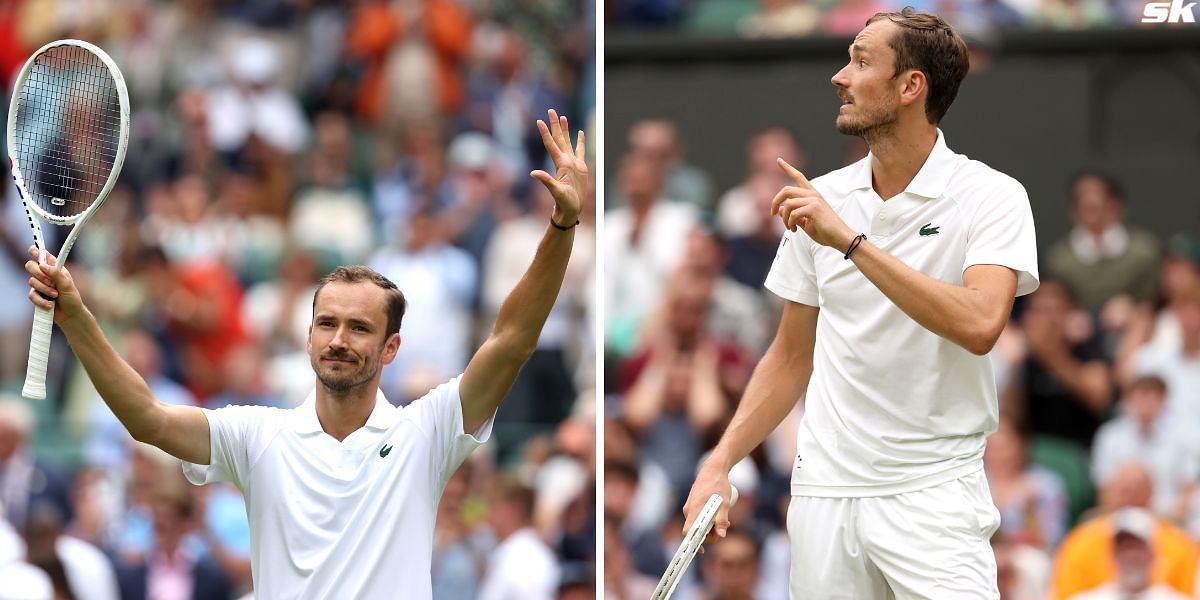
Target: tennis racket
<point>68,127</point>
<point>691,543</point>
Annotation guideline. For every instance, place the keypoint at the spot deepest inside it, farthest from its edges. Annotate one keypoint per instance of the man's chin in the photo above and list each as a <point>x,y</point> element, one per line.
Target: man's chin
<point>343,382</point>
<point>845,126</point>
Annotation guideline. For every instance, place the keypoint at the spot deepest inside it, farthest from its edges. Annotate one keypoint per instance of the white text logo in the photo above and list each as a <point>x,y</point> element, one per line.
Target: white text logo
<point>1174,11</point>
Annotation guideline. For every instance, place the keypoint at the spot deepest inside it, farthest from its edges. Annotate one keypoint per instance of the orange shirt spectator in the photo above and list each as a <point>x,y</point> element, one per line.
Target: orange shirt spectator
<point>1085,558</point>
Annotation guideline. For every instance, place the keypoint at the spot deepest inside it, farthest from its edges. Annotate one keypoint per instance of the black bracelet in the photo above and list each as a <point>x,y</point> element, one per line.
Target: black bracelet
<point>560,227</point>
<point>854,244</point>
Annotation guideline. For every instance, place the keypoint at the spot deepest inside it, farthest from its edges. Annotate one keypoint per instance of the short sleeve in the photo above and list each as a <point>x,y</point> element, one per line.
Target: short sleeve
<point>237,436</point>
<point>793,275</point>
<point>1001,233</point>
<point>439,414</point>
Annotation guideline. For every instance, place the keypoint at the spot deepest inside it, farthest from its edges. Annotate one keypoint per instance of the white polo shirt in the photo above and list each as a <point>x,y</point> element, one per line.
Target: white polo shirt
<point>892,407</point>
<point>350,519</point>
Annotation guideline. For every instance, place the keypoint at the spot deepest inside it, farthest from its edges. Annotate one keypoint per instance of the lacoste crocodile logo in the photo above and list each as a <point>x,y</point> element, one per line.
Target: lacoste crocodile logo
<point>384,451</point>
<point>927,230</point>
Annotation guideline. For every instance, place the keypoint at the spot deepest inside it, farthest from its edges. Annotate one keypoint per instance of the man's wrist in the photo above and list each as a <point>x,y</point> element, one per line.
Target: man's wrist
<point>848,236</point>
<point>719,459</point>
<point>564,220</point>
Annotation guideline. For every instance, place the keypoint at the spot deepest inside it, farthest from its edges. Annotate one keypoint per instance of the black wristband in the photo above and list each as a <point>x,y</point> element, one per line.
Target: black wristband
<point>560,227</point>
<point>854,244</point>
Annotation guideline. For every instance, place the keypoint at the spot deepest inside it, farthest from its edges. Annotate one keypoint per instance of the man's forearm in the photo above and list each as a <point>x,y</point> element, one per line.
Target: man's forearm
<point>524,312</point>
<point>968,317</point>
<point>776,385</point>
<point>125,392</point>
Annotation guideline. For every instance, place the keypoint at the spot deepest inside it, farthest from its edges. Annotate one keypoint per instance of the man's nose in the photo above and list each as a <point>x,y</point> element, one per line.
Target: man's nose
<point>339,340</point>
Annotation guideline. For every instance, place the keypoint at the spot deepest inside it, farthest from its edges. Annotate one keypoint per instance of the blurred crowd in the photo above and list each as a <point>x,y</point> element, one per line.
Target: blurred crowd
<point>1095,465</point>
<point>979,19</point>
<point>271,141</point>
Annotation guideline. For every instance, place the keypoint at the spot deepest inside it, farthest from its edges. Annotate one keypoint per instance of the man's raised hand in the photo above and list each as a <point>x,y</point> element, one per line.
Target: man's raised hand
<point>803,206</point>
<point>569,183</point>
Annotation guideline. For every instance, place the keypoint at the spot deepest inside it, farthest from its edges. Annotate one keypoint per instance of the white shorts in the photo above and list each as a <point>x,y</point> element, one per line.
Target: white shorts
<point>932,544</point>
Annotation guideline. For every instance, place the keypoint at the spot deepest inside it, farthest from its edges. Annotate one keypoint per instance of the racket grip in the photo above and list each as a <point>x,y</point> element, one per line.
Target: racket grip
<point>39,354</point>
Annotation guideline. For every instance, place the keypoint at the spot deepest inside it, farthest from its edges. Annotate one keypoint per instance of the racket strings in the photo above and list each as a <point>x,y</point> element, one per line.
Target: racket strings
<point>67,129</point>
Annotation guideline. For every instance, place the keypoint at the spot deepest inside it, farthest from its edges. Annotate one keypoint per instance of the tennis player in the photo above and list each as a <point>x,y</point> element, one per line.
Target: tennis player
<point>899,272</point>
<point>342,491</point>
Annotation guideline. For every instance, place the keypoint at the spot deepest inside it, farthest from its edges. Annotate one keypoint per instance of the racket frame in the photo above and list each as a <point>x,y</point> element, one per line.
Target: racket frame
<point>35,377</point>
<point>691,543</point>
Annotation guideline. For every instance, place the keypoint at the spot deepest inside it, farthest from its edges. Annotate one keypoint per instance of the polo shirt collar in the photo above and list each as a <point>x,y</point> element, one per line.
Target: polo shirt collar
<point>306,421</point>
<point>934,175</point>
<point>930,181</point>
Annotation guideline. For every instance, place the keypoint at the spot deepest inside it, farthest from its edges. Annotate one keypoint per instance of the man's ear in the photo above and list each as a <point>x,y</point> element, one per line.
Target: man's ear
<point>390,347</point>
<point>914,86</point>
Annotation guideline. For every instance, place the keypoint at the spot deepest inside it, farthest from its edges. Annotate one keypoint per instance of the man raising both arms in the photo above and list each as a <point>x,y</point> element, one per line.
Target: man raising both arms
<point>900,271</point>
<point>342,491</point>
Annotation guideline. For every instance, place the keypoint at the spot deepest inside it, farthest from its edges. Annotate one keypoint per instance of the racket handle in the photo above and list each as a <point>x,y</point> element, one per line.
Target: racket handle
<point>39,354</point>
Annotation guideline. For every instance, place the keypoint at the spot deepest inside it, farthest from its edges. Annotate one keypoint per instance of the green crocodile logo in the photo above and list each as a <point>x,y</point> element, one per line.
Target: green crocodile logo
<point>927,230</point>
<point>384,451</point>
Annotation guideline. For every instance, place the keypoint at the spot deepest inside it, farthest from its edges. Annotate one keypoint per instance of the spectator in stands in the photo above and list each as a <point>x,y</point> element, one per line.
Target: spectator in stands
<point>254,104</point>
<point>1032,500</point>
<point>1085,559</point>
<point>731,572</point>
<point>846,18</point>
<point>1022,571</point>
<point>1067,389</point>
<point>1179,365</point>
<point>1074,14</point>
<point>504,98</point>
<point>14,323</point>
<point>439,282</point>
<point>751,254</point>
<point>521,566</point>
<point>621,580</point>
<point>1133,555</point>
<point>643,242</point>
<point>678,386</point>
<point>736,309</point>
<point>174,568</point>
<point>1144,432</point>
<point>23,581</point>
<point>781,18</point>
<point>1102,258</point>
<point>25,479</point>
<point>331,215</point>
<point>741,209</point>
<point>658,142</point>
<point>245,383</point>
<point>76,568</point>
<point>457,563</point>
<point>479,196</point>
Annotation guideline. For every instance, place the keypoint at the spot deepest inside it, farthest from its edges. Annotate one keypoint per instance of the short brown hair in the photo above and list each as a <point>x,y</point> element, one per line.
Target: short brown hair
<point>1152,383</point>
<point>357,274</point>
<point>510,489</point>
<point>928,44</point>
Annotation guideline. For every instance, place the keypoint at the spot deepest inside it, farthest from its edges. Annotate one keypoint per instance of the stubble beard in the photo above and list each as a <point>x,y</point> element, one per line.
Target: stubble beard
<point>873,125</point>
<point>344,383</point>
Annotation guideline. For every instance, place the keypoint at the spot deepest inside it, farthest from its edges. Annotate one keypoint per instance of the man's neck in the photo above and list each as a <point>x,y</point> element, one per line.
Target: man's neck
<point>898,155</point>
<point>341,414</point>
